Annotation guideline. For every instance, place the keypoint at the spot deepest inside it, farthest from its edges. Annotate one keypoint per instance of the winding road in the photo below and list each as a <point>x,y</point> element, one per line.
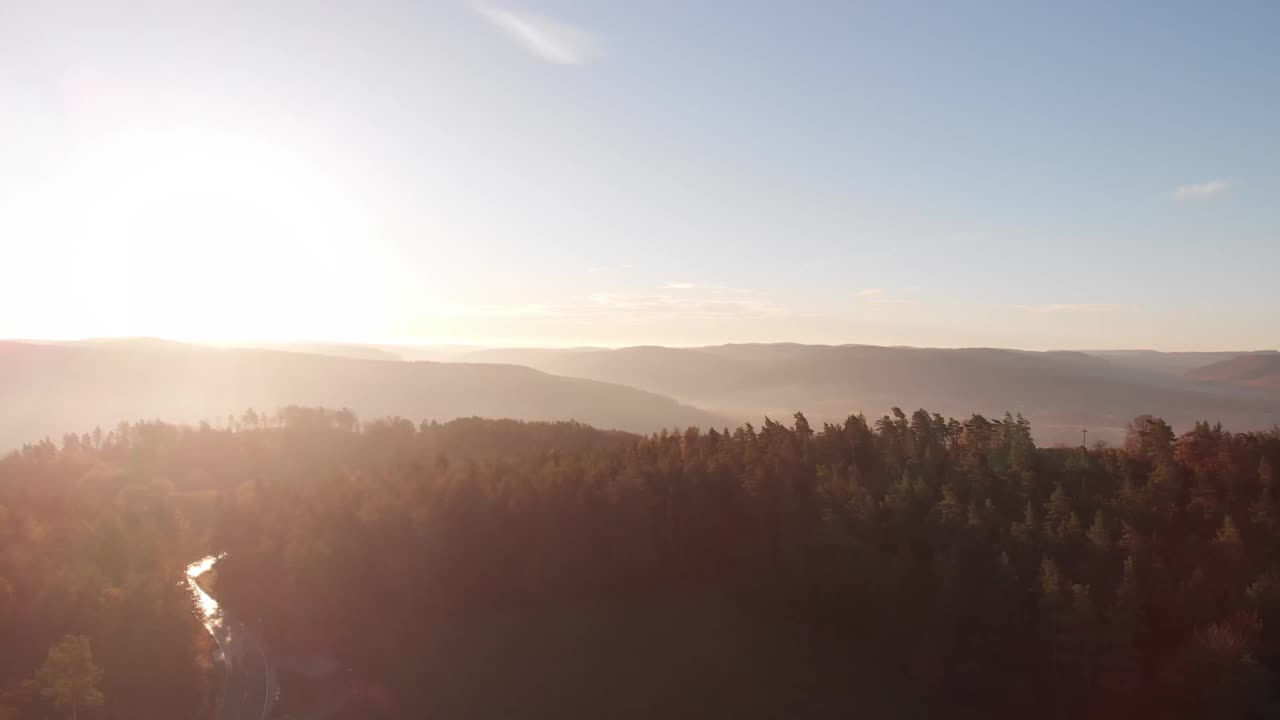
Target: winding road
<point>250,679</point>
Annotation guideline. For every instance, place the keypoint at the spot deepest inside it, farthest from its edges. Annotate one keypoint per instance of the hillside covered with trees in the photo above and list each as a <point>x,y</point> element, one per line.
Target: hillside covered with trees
<point>73,387</point>
<point>907,566</point>
<point>1058,391</point>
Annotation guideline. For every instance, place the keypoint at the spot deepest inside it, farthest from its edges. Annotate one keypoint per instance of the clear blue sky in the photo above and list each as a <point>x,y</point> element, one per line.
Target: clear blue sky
<point>1039,175</point>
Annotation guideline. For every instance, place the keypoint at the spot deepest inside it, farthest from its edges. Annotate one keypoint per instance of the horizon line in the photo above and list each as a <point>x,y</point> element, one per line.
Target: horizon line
<point>519,345</point>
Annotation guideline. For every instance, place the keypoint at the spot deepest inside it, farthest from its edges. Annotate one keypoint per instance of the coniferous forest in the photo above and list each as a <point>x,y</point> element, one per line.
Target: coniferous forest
<point>910,566</point>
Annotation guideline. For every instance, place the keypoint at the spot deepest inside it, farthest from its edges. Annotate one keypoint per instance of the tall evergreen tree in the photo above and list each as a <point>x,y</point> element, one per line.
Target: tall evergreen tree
<point>69,678</point>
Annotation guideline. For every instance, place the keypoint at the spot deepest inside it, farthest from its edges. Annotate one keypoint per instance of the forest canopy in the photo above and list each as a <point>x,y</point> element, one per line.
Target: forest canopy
<point>491,568</point>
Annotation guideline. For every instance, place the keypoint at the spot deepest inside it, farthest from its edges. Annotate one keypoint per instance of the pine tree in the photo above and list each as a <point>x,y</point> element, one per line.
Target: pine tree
<point>974,518</point>
<point>1230,570</point>
<point>1099,535</point>
<point>1027,531</point>
<point>1075,529</point>
<point>1264,512</point>
<point>1228,537</point>
<point>949,507</point>
<point>68,677</point>
<point>1059,513</point>
<point>1067,630</point>
<point>1083,634</point>
<point>1119,653</point>
<point>1051,588</point>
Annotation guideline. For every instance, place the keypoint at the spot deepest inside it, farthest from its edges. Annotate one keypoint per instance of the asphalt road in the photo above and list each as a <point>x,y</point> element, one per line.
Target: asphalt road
<point>250,679</point>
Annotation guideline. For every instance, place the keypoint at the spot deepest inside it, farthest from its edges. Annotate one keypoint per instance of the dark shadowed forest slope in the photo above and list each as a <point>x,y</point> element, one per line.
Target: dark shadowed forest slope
<point>50,389</point>
<point>92,548</point>
<point>1257,369</point>
<point>1061,392</point>
<point>911,566</point>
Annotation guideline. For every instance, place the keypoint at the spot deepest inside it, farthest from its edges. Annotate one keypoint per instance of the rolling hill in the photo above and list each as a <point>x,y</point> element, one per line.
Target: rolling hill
<point>1257,369</point>
<point>47,389</point>
<point>1060,392</point>
<point>1169,363</point>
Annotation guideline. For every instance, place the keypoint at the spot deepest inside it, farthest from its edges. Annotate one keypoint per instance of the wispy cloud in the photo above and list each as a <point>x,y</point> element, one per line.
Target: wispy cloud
<point>551,40</point>
<point>706,303</point>
<point>609,268</point>
<point>682,285</point>
<point>1201,191</point>
<point>880,298</point>
<point>716,304</point>
<point>1078,307</point>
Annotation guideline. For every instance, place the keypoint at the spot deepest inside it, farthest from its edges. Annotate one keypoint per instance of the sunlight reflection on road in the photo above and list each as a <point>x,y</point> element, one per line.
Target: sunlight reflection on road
<point>208,606</point>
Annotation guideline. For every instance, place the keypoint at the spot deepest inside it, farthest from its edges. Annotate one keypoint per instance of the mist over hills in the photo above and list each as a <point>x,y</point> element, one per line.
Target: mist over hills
<point>1060,392</point>
<point>1257,369</point>
<point>343,350</point>
<point>49,389</point>
<point>1170,363</point>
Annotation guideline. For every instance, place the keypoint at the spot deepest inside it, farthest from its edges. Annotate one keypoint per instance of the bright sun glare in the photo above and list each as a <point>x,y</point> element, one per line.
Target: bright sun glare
<point>198,235</point>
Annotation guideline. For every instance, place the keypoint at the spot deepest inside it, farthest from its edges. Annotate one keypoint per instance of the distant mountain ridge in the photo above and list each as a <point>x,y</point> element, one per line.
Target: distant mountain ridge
<point>1258,369</point>
<point>48,389</point>
<point>1171,363</point>
<point>353,351</point>
<point>1061,392</point>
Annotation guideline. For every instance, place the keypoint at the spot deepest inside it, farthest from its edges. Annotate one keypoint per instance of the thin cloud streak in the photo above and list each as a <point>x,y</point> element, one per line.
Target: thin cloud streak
<point>682,285</point>
<point>879,298</point>
<point>1077,307</point>
<point>709,303</point>
<point>550,40</point>
<point>638,307</point>
<point>1201,191</point>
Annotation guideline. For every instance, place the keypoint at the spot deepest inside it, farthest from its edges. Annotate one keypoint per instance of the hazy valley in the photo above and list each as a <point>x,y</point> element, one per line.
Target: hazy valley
<point>52,387</point>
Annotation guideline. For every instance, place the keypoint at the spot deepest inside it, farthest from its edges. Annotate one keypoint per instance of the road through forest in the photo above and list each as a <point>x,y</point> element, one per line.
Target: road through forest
<point>250,679</point>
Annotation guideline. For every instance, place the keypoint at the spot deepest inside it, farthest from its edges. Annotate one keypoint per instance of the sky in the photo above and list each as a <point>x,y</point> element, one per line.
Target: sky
<point>1039,175</point>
